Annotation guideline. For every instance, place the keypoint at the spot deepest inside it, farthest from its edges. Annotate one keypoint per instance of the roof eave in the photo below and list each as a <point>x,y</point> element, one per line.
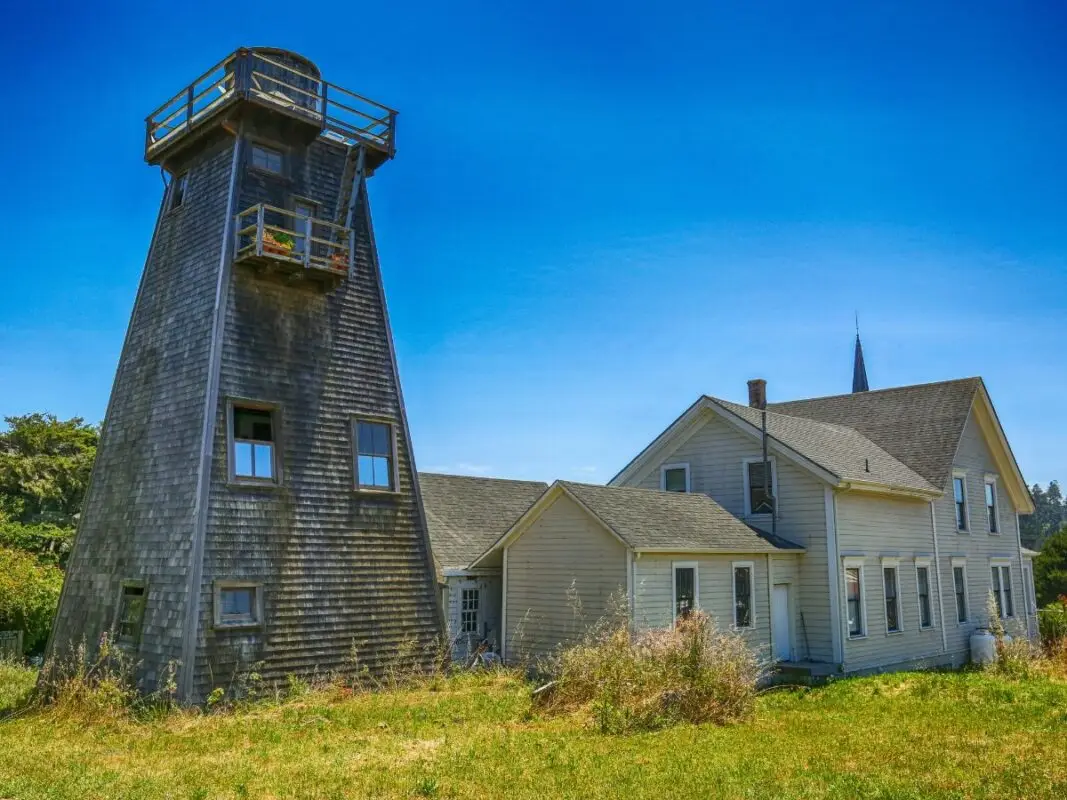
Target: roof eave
<point>875,487</point>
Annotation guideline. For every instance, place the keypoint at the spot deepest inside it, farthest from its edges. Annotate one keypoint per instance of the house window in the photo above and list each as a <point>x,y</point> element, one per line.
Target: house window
<point>959,585</point>
<point>253,444</point>
<point>178,188</point>
<point>959,494</point>
<point>991,504</point>
<point>468,612</point>
<point>757,499</point>
<point>1002,590</point>
<point>266,159</point>
<point>131,612</point>
<point>891,588</point>
<point>374,455</point>
<point>854,600</point>
<point>686,599</point>
<point>237,604</point>
<point>922,583</point>
<point>674,478</point>
<point>743,591</point>
<point>1028,589</point>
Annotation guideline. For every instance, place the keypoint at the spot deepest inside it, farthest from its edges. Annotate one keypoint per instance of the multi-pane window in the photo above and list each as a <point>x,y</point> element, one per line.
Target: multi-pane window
<point>468,612</point>
<point>1028,589</point>
<point>760,498</point>
<point>266,159</point>
<point>959,586</point>
<point>854,600</point>
<point>991,505</point>
<point>922,582</point>
<point>685,588</point>
<point>374,455</point>
<point>177,190</point>
<point>676,479</point>
<point>131,613</point>
<point>959,494</point>
<point>743,595</point>
<point>253,444</point>
<point>1002,590</point>
<point>237,604</point>
<point>892,599</point>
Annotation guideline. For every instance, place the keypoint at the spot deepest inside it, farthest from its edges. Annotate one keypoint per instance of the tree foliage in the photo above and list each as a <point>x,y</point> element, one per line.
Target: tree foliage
<point>29,595</point>
<point>1050,569</point>
<point>1050,513</point>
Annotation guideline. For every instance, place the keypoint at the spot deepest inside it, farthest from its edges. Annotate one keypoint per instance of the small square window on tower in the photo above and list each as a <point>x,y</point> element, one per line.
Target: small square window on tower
<point>266,159</point>
<point>131,613</point>
<point>375,455</point>
<point>252,444</point>
<point>238,604</point>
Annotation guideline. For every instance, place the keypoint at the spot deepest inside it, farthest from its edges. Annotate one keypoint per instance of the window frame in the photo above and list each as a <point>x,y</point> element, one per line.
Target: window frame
<point>924,563</point>
<point>992,520</point>
<point>748,489</point>
<point>751,567</point>
<point>854,564</point>
<point>220,586</point>
<point>178,181</point>
<point>675,566</point>
<point>961,564</point>
<point>275,410</point>
<point>127,641</point>
<point>268,148</point>
<point>1004,565</point>
<point>893,564</point>
<point>394,470</point>
<point>1029,591</point>
<point>663,470</point>
<point>961,476</point>
<point>476,610</point>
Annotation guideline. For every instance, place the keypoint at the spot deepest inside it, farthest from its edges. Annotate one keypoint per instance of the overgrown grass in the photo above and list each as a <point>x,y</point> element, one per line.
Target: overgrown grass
<point>908,735</point>
<point>16,687</point>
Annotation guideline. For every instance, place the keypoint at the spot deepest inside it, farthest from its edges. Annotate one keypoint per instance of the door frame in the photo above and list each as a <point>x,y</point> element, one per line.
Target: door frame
<point>791,615</point>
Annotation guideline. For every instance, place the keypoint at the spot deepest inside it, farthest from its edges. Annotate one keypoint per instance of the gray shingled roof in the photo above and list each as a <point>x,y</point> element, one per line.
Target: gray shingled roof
<point>918,425</point>
<point>845,452</point>
<point>466,515</point>
<point>651,520</point>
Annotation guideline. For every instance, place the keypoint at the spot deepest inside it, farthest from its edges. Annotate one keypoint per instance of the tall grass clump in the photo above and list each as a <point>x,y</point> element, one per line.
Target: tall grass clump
<point>631,681</point>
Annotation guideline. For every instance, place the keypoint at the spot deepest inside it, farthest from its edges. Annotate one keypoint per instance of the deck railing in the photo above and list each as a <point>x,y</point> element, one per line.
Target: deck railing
<point>267,232</point>
<point>342,115</point>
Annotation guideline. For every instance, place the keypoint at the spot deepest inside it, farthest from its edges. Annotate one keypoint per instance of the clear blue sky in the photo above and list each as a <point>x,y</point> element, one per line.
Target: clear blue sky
<point>597,214</point>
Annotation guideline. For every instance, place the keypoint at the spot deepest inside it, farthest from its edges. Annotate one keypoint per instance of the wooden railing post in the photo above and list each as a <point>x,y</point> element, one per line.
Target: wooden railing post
<point>259,230</point>
<point>189,107</point>
<point>307,243</point>
<point>351,248</point>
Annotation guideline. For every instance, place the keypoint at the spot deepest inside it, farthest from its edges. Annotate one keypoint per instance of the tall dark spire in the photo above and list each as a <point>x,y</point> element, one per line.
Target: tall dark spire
<point>859,369</point>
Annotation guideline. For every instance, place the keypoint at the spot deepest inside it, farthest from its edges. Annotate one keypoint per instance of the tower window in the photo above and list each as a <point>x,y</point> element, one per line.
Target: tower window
<point>131,612</point>
<point>237,604</point>
<point>178,188</point>
<point>266,159</point>
<point>253,440</point>
<point>959,498</point>
<point>375,455</point>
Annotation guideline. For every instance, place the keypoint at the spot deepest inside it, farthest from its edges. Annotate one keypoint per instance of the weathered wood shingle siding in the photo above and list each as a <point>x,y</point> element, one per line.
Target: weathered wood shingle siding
<point>341,570</point>
<point>564,546</point>
<point>715,452</point>
<point>137,522</point>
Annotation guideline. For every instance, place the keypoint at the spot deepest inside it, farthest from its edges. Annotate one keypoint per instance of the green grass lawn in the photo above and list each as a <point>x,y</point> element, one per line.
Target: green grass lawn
<point>909,735</point>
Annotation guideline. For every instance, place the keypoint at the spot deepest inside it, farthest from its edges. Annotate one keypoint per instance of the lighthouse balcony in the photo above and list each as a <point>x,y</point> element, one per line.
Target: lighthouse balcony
<point>285,242</point>
<point>265,79</point>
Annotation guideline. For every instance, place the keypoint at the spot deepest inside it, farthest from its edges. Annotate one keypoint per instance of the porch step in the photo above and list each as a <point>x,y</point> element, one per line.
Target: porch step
<point>806,673</point>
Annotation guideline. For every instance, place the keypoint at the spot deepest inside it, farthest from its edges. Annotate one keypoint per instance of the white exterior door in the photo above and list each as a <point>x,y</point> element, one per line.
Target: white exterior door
<point>780,623</point>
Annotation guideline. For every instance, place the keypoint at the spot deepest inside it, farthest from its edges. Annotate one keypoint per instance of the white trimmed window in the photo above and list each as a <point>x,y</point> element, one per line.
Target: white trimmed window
<point>253,436</point>
<point>238,604</point>
<point>757,501</point>
<point>1029,592</point>
<point>744,594</point>
<point>959,499</point>
<point>684,588</point>
<point>674,478</point>
<point>1001,588</point>
<point>375,448</point>
<point>468,610</point>
<point>922,588</point>
<point>891,592</point>
<point>959,588</point>
<point>266,159</point>
<point>855,614</point>
<point>991,504</point>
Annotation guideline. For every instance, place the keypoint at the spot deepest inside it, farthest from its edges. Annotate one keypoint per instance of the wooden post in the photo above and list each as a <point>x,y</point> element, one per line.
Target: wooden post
<point>259,230</point>
<point>307,243</point>
<point>189,107</point>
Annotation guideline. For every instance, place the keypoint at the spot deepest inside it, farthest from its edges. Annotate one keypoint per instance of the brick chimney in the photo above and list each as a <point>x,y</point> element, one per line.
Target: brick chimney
<point>757,393</point>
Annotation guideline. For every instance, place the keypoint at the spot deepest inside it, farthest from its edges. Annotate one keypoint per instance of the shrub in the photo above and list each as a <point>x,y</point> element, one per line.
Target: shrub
<point>1052,620</point>
<point>643,681</point>
<point>29,595</point>
<point>49,543</point>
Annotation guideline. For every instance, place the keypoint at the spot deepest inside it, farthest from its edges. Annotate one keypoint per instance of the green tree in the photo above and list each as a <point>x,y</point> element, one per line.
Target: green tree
<point>1049,515</point>
<point>1050,569</point>
<point>29,594</point>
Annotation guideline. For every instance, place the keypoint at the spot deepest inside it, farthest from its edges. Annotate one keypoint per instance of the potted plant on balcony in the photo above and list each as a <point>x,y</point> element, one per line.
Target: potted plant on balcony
<point>339,260</point>
<point>278,243</point>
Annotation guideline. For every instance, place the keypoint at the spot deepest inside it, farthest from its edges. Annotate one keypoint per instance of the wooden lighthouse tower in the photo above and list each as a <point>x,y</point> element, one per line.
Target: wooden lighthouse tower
<point>254,502</point>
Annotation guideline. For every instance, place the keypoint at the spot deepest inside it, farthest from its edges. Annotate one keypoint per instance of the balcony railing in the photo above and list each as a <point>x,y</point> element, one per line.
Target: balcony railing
<point>341,115</point>
<point>269,235</point>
